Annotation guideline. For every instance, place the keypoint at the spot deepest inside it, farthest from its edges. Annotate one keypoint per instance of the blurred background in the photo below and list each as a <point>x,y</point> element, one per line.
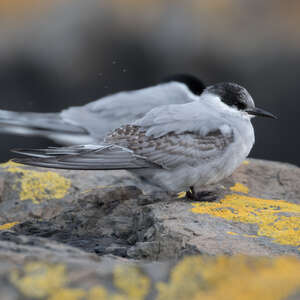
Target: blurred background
<point>55,54</point>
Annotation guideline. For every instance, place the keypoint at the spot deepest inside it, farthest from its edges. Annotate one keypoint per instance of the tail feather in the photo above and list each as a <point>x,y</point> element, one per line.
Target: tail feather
<point>39,121</point>
<point>50,125</point>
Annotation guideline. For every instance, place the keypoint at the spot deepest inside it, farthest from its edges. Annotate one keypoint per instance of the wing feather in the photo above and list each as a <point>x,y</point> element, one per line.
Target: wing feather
<point>107,157</point>
<point>172,150</point>
<point>106,114</point>
<point>168,137</point>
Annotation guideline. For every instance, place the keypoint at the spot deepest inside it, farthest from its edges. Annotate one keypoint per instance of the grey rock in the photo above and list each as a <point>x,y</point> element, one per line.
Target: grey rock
<point>96,235</point>
<point>114,213</point>
<point>38,268</point>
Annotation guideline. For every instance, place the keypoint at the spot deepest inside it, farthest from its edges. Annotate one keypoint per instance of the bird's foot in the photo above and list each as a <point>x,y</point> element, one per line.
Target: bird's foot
<point>206,196</point>
<point>203,196</point>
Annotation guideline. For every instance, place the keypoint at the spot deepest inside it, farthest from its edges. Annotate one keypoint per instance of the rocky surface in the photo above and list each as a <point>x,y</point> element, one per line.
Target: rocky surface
<point>34,268</point>
<point>107,232</point>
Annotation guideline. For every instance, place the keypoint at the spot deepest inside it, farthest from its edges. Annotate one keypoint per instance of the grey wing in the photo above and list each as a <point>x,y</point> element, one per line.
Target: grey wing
<point>104,115</point>
<point>90,123</point>
<point>172,150</point>
<point>87,157</point>
<point>133,149</point>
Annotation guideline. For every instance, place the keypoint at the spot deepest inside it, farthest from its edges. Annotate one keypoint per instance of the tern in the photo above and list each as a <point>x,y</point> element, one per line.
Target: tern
<point>174,146</point>
<point>90,123</point>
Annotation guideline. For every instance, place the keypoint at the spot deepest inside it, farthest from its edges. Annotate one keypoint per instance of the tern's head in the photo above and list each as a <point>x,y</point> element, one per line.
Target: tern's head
<point>237,98</point>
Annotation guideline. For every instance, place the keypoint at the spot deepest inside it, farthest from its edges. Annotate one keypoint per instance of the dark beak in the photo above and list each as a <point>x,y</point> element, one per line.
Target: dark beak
<point>260,112</point>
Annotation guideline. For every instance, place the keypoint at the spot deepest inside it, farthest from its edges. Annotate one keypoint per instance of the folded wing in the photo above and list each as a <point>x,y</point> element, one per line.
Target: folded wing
<point>172,149</point>
<point>88,157</point>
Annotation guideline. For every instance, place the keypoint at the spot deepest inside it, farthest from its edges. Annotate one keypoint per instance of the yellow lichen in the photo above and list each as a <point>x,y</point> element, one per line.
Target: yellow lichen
<point>246,162</point>
<point>245,235</point>
<point>277,219</point>
<point>97,292</point>
<point>40,280</point>
<point>195,277</point>
<point>239,187</point>
<point>8,226</point>
<point>234,278</point>
<point>69,294</point>
<point>232,233</point>
<point>250,235</point>
<point>38,186</point>
<point>131,282</point>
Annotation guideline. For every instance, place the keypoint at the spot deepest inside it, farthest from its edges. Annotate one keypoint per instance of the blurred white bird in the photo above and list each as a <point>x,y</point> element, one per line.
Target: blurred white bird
<point>173,146</point>
<point>90,123</point>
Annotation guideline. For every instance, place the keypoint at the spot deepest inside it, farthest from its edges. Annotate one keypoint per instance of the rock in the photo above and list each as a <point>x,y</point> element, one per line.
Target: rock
<point>84,228</point>
<point>37,268</point>
<point>256,212</point>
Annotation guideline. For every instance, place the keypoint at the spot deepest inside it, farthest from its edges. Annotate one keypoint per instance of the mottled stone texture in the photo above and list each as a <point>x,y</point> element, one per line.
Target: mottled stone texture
<point>100,235</point>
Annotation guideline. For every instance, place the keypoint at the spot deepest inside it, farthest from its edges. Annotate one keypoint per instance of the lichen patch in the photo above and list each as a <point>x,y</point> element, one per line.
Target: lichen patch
<point>41,280</point>
<point>239,187</point>
<point>234,278</point>
<point>8,226</point>
<point>194,277</point>
<point>38,186</point>
<point>276,219</point>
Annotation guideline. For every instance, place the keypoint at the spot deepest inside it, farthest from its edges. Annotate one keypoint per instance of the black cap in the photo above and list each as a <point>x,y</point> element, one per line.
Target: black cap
<point>194,84</point>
